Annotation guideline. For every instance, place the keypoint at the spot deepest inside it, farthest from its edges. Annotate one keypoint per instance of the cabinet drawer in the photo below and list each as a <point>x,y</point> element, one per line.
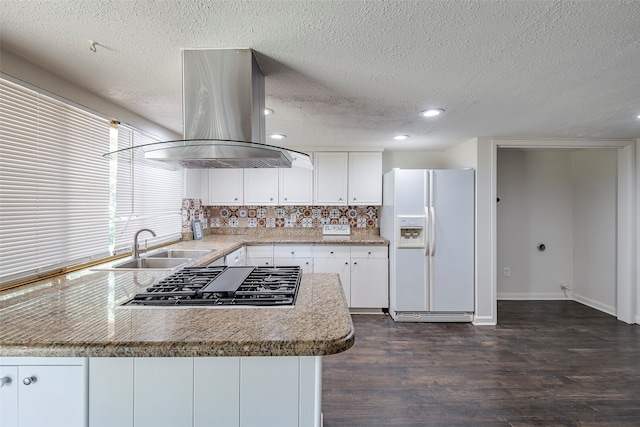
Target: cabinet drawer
<point>331,251</point>
<point>369,251</point>
<point>292,251</point>
<point>259,251</point>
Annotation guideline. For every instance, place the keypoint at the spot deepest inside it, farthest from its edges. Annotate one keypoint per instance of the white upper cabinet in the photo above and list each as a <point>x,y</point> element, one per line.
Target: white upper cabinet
<point>295,186</point>
<point>196,184</point>
<point>365,179</point>
<point>330,183</point>
<point>226,187</point>
<point>261,187</point>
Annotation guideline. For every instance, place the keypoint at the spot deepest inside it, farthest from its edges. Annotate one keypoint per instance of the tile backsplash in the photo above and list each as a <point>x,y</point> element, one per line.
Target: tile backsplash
<point>220,217</point>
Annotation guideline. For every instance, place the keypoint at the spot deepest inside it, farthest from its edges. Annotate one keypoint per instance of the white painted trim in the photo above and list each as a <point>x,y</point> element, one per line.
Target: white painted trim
<point>521,296</point>
<point>485,321</point>
<point>605,308</point>
<point>625,286</point>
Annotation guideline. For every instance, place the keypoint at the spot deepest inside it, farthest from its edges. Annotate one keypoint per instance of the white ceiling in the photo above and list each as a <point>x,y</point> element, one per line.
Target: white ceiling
<point>356,73</point>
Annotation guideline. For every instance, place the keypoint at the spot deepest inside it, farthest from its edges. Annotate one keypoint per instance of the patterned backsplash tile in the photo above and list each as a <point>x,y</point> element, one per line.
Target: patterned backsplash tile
<point>276,216</point>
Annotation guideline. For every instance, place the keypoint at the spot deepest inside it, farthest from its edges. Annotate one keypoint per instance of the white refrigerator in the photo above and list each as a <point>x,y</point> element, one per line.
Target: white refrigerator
<point>428,217</point>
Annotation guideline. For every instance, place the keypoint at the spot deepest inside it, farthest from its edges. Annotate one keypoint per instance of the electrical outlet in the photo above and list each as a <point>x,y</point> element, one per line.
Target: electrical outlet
<point>506,272</point>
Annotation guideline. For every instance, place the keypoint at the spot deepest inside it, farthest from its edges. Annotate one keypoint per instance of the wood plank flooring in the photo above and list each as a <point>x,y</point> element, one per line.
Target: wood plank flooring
<point>547,363</point>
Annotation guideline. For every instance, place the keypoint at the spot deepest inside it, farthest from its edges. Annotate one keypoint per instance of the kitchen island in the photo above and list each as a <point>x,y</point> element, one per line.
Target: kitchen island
<point>173,366</point>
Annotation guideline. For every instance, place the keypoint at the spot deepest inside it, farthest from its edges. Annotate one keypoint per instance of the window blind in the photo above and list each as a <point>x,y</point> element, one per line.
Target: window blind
<point>148,194</point>
<point>54,184</point>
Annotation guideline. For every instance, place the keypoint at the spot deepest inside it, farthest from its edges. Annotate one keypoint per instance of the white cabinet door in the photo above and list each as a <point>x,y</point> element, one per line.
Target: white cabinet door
<point>9,396</point>
<point>196,184</point>
<point>55,397</point>
<point>226,187</point>
<point>260,255</point>
<point>216,386</point>
<point>111,391</point>
<point>295,186</point>
<point>339,265</point>
<point>293,255</point>
<point>261,187</point>
<point>330,183</point>
<point>163,392</point>
<point>365,179</point>
<point>263,381</point>
<point>369,277</point>
<point>334,259</point>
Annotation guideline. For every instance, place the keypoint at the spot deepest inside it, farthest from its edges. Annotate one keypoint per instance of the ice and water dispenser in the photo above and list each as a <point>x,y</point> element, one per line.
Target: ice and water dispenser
<point>411,231</point>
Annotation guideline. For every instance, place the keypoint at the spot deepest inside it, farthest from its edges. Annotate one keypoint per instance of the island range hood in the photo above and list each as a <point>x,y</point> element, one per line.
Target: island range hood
<point>223,115</point>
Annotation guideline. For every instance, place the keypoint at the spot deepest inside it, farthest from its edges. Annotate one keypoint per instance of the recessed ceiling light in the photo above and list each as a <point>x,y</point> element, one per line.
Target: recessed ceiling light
<point>638,116</point>
<point>400,137</point>
<point>277,136</point>
<point>268,111</point>
<point>432,113</point>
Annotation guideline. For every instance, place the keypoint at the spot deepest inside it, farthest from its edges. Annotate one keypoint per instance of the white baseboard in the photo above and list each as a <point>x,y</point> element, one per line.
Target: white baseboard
<point>534,296</point>
<point>484,321</point>
<point>595,304</point>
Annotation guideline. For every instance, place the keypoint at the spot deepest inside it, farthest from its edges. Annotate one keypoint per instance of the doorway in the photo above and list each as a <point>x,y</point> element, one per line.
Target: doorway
<point>486,235</point>
<point>556,225</point>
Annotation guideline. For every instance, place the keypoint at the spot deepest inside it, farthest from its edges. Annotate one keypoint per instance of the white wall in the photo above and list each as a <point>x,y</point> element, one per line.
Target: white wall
<point>463,155</point>
<point>535,190</point>
<point>411,160</point>
<point>27,72</point>
<point>594,228</point>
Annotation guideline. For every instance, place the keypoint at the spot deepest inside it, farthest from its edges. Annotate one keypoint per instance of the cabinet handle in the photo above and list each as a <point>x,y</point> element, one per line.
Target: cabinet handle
<point>5,381</point>
<point>29,380</point>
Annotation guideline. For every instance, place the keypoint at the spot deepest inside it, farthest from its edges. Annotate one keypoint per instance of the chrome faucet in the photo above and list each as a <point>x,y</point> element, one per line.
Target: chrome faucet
<point>134,250</point>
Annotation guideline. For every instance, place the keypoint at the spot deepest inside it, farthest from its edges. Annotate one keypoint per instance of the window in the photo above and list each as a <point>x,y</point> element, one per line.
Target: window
<point>148,195</point>
<point>61,202</point>
<point>54,184</point>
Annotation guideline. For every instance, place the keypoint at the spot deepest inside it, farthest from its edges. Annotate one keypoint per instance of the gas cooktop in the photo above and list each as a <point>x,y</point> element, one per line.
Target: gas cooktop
<point>223,286</point>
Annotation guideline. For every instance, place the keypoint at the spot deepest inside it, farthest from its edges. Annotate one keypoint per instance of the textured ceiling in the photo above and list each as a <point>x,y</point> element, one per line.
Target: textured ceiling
<point>356,73</point>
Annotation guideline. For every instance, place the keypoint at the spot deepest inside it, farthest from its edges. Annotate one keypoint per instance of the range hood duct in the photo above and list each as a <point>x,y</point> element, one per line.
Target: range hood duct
<point>223,115</point>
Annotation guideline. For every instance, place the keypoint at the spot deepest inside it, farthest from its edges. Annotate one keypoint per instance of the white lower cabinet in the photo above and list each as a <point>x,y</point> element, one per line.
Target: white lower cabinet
<point>369,277</point>
<point>334,259</point>
<point>236,258</point>
<point>363,271</point>
<point>293,255</point>
<point>163,392</point>
<point>260,255</point>
<point>43,392</point>
<point>205,391</point>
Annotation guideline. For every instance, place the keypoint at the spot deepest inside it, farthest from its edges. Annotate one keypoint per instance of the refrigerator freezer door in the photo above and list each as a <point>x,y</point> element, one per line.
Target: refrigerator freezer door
<point>453,257</point>
<point>411,291</point>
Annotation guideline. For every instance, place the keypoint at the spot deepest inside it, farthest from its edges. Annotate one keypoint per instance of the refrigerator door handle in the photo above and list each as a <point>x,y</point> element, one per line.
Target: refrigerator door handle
<point>432,231</point>
<point>427,238</point>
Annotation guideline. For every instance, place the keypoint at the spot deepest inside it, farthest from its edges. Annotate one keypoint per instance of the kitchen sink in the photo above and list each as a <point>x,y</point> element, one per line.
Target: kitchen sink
<point>179,253</point>
<point>150,264</point>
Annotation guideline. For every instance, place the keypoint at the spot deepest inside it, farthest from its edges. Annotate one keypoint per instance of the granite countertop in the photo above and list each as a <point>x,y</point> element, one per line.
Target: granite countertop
<point>79,315</point>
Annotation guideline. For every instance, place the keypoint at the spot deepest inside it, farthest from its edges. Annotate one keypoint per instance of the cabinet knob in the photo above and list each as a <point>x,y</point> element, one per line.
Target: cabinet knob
<point>340,199</point>
<point>235,198</point>
<point>354,198</point>
<point>271,199</point>
<point>292,252</point>
<point>331,252</point>
<point>29,380</point>
<point>346,263</point>
<point>369,252</point>
<point>285,199</point>
<point>5,381</point>
<point>355,262</point>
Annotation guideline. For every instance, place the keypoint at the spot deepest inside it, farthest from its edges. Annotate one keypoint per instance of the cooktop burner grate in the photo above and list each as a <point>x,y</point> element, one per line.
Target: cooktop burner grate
<point>224,286</point>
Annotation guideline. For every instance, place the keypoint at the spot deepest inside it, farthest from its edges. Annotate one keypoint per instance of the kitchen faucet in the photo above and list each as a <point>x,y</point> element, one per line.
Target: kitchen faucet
<point>135,251</point>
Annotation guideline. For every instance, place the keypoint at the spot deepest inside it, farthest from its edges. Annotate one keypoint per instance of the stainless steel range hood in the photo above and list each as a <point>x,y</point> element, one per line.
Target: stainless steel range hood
<point>223,116</point>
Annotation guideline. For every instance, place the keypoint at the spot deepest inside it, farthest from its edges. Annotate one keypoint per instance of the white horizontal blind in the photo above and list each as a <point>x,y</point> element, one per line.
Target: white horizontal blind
<point>149,195</point>
<point>54,184</point>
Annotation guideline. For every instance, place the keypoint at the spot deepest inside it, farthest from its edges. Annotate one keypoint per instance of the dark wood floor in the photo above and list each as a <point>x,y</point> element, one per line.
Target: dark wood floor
<point>547,363</point>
